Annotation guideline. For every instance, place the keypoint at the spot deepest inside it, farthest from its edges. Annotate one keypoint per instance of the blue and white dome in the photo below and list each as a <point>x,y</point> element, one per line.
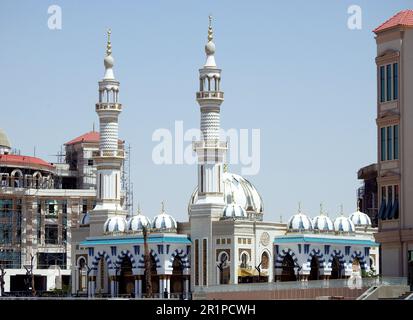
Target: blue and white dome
<point>234,211</point>
<point>85,219</point>
<point>300,222</point>
<point>323,223</point>
<point>343,224</point>
<point>238,190</point>
<point>136,223</point>
<point>163,222</point>
<point>360,219</point>
<point>115,224</point>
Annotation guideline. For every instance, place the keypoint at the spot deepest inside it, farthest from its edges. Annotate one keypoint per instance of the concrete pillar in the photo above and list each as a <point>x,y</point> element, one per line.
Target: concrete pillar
<point>168,286</point>
<point>136,288</point>
<point>186,288</point>
<point>139,287</point>
<point>161,288</point>
<point>112,287</point>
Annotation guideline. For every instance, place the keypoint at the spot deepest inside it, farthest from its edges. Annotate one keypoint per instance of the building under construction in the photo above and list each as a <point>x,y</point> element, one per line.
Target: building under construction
<point>39,204</point>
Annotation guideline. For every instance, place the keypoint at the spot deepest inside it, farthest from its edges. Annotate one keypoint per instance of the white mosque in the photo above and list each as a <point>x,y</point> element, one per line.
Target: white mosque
<point>225,241</point>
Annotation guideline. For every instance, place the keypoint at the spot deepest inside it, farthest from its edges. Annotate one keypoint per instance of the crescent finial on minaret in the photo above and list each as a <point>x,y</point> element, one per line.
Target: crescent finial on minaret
<point>109,45</point>
<point>210,31</point>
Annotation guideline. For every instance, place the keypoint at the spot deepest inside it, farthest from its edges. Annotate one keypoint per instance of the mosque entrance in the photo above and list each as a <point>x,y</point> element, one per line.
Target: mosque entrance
<point>315,269</point>
<point>126,279</point>
<point>177,285</point>
<point>336,269</point>
<point>288,273</point>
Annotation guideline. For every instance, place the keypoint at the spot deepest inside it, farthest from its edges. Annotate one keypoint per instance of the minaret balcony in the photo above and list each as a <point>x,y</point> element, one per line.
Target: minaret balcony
<point>109,153</point>
<point>108,106</point>
<point>214,144</point>
<point>210,95</point>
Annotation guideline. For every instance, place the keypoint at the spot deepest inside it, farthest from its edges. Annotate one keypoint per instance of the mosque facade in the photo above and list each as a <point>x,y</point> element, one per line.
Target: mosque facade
<point>226,239</point>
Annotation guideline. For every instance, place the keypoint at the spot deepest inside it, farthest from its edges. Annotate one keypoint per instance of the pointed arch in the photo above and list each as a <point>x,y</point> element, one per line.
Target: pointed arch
<point>317,254</point>
<point>360,257</point>
<point>336,254</point>
<point>184,258</point>
<point>126,253</point>
<point>97,257</point>
<point>154,255</point>
<point>280,258</point>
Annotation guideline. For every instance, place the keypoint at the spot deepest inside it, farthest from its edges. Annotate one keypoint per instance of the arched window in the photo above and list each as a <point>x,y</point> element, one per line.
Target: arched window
<point>265,260</point>
<point>244,259</point>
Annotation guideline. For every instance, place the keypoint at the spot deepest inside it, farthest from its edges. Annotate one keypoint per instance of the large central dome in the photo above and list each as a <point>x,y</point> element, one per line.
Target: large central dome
<point>244,193</point>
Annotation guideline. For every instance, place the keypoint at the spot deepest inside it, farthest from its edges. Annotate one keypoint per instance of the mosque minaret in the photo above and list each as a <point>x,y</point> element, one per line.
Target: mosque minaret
<point>109,158</point>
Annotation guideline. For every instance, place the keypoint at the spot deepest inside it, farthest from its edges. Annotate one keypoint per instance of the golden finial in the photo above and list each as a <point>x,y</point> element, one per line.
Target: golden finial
<point>281,218</point>
<point>299,206</point>
<point>341,210</point>
<point>210,32</point>
<point>358,204</point>
<point>163,206</point>
<point>139,208</point>
<point>225,167</point>
<point>321,209</point>
<point>109,45</point>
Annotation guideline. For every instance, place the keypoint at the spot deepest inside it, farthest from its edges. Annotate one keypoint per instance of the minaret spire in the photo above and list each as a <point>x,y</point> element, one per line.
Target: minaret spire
<point>109,158</point>
<point>211,151</point>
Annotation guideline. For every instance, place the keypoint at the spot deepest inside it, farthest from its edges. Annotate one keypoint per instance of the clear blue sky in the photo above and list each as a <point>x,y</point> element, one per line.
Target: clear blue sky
<point>290,68</point>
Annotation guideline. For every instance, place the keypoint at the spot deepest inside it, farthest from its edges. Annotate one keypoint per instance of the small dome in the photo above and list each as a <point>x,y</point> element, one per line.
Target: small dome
<point>300,222</point>
<point>85,219</point>
<point>343,224</point>
<point>360,219</point>
<point>163,222</point>
<point>136,223</point>
<point>4,141</point>
<point>234,211</point>
<point>115,224</point>
<point>323,223</point>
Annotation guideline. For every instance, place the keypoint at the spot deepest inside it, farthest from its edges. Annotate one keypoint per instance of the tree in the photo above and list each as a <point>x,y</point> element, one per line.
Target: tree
<point>147,260</point>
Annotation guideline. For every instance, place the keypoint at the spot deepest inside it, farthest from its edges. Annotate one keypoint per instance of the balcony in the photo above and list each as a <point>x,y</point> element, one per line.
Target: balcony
<point>109,153</point>
<point>108,106</point>
<point>210,95</point>
<point>209,145</point>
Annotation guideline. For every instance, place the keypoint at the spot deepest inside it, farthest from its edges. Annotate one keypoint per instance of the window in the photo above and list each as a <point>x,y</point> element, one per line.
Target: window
<point>382,81</point>
<point>395,81</point>
<point>204,261</point>
<point>389,143</point>
<point>90,162</point>
<point>84,206</point>
<point>223,241</point>
<point>396,142</point>
<point>383,143</point>
<point>389,82</point>
<point>218,241</point>
<point>229,241</point>
<point>51,234</point>
<point>389,208</point>
<point>196,262</point>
